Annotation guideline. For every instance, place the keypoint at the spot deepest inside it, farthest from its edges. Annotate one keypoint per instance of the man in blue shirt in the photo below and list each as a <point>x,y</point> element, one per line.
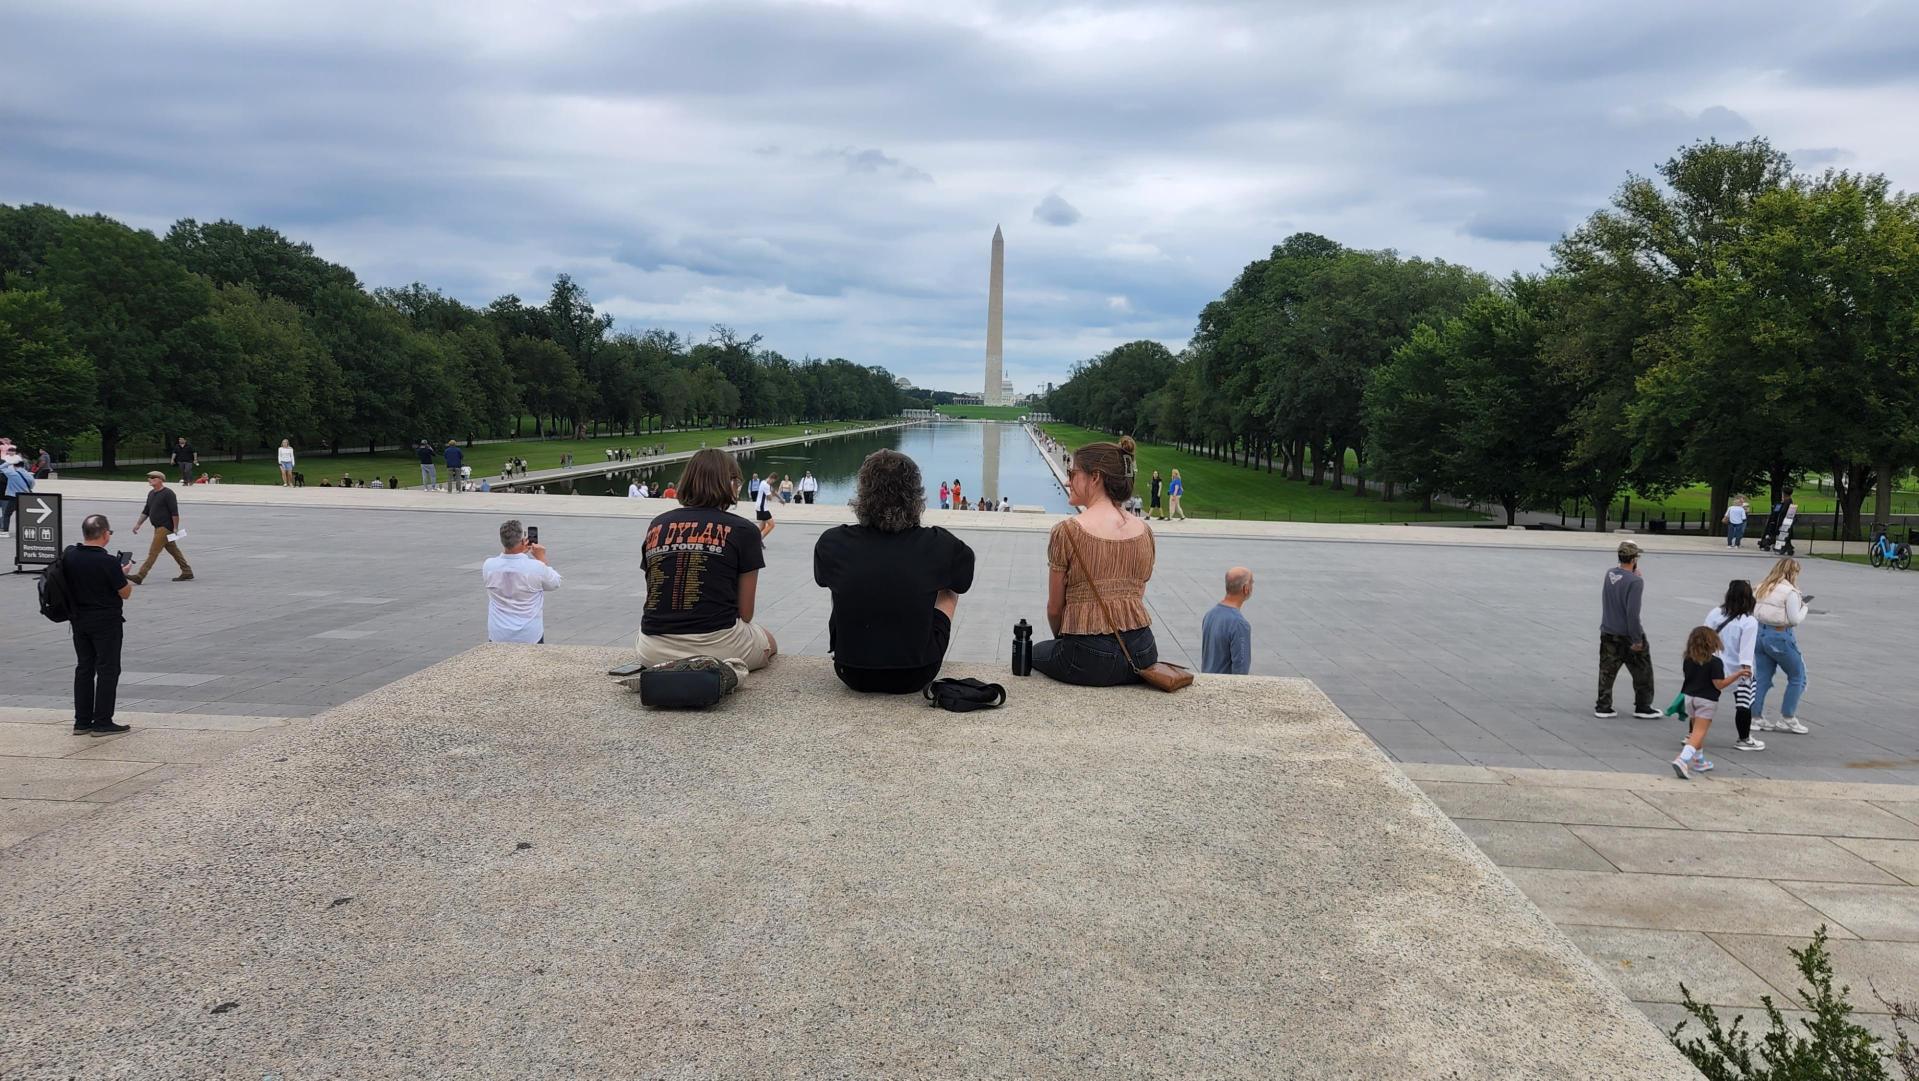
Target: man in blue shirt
<point>455,457</point>
<point>1225,638</point>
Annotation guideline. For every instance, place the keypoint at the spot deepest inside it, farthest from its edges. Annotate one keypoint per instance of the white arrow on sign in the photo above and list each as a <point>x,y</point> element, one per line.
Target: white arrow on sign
<point>44,511</point>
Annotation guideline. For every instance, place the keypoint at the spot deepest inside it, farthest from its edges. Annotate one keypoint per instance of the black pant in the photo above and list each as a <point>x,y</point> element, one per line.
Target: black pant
<point>1095,660</point>
<point>96,676</point>
<point>809,498</point>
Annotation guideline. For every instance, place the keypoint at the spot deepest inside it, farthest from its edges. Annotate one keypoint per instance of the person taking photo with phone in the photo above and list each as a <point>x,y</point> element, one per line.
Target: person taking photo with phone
<point>97,588</point>
<point>517,582</point>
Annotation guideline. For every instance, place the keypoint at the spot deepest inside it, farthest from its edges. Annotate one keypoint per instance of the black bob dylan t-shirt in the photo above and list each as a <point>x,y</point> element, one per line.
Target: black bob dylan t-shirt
<point>694,558</point>
<point>883,588</point>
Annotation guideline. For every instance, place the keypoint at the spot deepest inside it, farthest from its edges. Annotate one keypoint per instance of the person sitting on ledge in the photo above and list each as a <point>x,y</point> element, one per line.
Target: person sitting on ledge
<point>895,582</point>
<point>702,572</point>
<point>1105,545</point>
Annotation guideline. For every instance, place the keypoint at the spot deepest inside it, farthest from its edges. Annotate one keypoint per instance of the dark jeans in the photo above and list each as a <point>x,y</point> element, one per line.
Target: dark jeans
<point>1735,534</point>
<point>96,676</point>
<point>7,503</point>
<point>1095,660</point>
<point>1615,650</point>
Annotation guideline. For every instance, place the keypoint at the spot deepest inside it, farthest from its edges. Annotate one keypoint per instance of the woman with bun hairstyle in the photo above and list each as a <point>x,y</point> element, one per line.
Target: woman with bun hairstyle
<point>1103,546</point>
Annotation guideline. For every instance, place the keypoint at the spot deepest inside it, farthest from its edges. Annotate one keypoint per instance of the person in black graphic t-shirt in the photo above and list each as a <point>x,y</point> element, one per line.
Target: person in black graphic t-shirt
<point>895,582</point>
<point>702,573</point>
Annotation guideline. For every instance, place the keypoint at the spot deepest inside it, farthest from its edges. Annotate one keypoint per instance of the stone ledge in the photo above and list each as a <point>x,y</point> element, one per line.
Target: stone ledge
<point>503,866</point>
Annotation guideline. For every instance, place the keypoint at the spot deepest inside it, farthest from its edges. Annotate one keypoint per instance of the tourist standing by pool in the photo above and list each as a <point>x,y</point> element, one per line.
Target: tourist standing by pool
<point>761,506</point>
<point>946,496</point>
<point>1153,510</point>
<point>429,470</point>
<point>1104,545</point>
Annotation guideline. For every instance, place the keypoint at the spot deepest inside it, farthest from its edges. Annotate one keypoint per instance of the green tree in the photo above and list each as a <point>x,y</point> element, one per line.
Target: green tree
<point>1499,391</point>
<point>47,387</point>
<point>283,366</point>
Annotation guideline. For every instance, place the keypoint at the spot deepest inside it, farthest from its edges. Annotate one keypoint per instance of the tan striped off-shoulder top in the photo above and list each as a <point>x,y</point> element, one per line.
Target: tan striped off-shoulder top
<point>1121,567</point>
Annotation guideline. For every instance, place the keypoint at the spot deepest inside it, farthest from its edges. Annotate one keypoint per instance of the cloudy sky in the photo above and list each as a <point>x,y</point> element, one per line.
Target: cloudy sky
<point>829,174</point>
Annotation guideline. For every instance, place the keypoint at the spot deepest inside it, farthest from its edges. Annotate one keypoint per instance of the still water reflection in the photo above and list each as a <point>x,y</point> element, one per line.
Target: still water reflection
<point>988,458</point>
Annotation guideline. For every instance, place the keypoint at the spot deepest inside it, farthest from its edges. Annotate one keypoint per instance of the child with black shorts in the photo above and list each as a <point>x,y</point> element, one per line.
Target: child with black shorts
<point>1705,676</point>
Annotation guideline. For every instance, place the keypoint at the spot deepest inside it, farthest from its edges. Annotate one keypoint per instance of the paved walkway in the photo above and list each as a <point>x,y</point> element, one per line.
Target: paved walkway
<point>1710,883</point>
<point>593,467</point>
<point>1467,647</point>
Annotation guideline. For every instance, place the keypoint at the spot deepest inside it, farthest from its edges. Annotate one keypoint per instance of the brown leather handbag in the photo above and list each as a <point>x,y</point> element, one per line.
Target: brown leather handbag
<point>1166,677</point>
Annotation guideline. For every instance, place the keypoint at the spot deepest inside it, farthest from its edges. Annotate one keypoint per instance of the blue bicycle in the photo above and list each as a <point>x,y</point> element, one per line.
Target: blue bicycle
<point>1884,551</point>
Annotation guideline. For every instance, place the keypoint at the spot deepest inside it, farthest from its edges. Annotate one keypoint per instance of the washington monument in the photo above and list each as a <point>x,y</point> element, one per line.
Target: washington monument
<point>995,316</point>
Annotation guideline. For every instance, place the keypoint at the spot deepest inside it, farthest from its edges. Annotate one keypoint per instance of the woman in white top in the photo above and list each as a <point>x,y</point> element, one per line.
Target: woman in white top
<point>634,491</point>
<point>1781,608</point>
<point>286,463</point>
<point>760,513</point>
<point>1738,641</point>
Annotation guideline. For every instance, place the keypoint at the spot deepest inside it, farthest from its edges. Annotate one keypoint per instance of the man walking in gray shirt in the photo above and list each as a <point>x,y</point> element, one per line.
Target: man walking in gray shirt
<point>1225,638</point>
<point>1622,638</point>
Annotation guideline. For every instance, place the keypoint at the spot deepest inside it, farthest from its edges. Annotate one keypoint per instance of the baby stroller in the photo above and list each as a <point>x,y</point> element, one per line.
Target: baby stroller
<point>1779,538</point>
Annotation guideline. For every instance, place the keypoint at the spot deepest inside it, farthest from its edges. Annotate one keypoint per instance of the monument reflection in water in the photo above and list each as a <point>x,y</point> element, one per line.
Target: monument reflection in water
<point>988,458</point>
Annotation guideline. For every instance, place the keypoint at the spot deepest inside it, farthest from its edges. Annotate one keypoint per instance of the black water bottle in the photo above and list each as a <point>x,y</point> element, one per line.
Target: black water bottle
<point>1022,648</point>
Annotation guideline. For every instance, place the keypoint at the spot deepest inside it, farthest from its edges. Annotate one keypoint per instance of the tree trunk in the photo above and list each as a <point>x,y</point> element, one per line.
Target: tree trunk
<point>1339,468</point>
<point>1319,465</point>
<point>1299,459</point>
<point>1850,482</point>
<point>109,447</point>
<point>1426,501</point>
<point>1882,505</point>
<point>1512,510</point>
<point>1386,492</point>
<point>1721,495</point>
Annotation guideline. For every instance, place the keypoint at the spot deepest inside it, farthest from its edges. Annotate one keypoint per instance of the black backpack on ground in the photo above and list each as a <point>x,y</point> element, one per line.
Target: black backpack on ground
<point>964,695</point>
<point>56,603</point>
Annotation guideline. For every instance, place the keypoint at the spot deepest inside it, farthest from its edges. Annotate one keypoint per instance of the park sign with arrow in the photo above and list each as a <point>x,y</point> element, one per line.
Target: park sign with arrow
<point>37,532</point>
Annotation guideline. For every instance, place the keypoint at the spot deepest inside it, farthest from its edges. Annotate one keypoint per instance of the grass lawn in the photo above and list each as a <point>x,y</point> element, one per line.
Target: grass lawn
<point>983,412</point>
<point>1696,500</point>
<point>485,458</point>
<point>1223,490</point>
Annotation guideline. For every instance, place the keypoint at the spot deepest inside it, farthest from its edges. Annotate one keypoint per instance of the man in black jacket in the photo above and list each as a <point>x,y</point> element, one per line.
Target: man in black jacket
<point>185,457</point>
<point>97,587</point>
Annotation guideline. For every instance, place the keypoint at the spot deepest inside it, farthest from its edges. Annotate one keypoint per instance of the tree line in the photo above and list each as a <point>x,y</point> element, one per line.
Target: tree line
<point>240,337</point>
<point>1729,322</point>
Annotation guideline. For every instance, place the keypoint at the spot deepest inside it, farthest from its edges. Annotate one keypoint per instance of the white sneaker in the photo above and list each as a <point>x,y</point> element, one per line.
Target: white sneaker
<point>1700,765</point>
<point>1679,768</point>
<point>1760,724</point>
<point>1749,744</point>
<point>1791,724</point>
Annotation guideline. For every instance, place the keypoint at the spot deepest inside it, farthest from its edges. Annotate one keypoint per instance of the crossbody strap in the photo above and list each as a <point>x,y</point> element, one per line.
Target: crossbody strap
<point>1068,527</point>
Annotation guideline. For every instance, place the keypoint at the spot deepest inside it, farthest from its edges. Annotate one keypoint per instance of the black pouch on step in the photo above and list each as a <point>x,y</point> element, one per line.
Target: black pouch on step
<point>693,683</point>
<point>964,695</point>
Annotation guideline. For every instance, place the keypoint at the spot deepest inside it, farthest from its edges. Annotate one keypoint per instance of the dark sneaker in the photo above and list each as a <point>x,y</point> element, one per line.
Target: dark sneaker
<point>1647,714</point>
<point>1605,714</point>
<point>184,578</point>
<point>81,729</point>
<point>108,728</point>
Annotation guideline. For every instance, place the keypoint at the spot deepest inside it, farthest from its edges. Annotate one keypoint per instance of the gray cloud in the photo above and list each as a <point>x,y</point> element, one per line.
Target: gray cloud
<point>770,164</point>
<point>1054,210</point>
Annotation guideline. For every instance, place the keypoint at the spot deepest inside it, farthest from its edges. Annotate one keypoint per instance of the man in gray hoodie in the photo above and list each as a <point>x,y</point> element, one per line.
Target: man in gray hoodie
<point>1622,638</point>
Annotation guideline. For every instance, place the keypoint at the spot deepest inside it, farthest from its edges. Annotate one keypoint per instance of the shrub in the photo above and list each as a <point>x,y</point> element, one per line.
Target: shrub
<point>1831,1048</point>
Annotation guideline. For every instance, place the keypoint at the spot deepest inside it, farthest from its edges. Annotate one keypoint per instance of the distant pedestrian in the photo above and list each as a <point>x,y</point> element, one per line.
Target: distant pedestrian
<point>946,496</point>
<point>1622,637</point>
<point>761,513</point>
<point>429,469</point>
<point>163,512</point>
<point>633,490</point>
<point>43,465</point>
<point>455,460</point>
<point>393,482</point>
<point>285,455</point>
<point>97,588</point>
<point>786,488</point>
<point>1225,637</point>
<point>15,481</point>
<point>1738,635</point>
<point>809,487</point>
<point>517,582</point>
<point>753,488</point>
<point>184,459</point>
<point>956,491</point>
<point>1780,609</point>
<point>1174,489</point>
<point>1153,511</point>
<point>1705,676</point>
<point>1735,519</point>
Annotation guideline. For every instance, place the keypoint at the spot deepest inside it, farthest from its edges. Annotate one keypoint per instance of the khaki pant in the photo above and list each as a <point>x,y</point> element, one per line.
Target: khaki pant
<point>162,538</point>
<point>742,641</point>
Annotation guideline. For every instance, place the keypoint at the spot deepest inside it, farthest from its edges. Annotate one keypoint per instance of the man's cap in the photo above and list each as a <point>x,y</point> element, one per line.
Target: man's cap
<point>1628,551</point>
<point>152,473</point>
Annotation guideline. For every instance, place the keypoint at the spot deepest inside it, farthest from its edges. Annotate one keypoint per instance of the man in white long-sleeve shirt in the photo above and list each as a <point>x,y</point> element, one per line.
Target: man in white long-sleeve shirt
<point>517,581</point>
